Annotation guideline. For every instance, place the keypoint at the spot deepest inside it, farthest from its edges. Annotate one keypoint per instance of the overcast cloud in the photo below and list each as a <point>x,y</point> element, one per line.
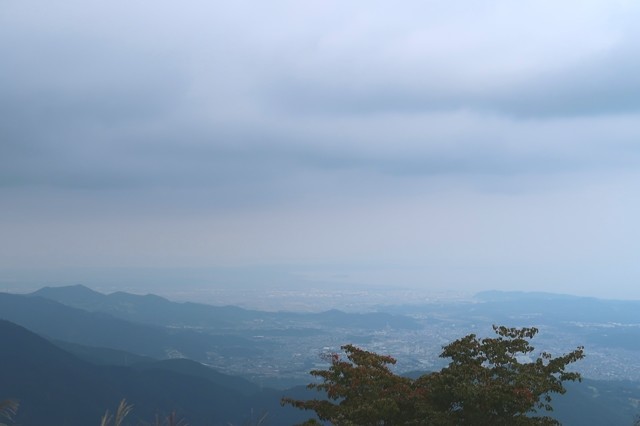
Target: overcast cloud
<point>459,145</point>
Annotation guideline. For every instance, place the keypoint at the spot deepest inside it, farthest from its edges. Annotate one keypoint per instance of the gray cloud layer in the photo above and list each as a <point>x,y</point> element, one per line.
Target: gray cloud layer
<point>273,111</point>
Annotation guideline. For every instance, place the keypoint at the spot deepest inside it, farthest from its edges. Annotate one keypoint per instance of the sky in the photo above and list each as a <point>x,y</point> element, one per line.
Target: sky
<point>435,145</point>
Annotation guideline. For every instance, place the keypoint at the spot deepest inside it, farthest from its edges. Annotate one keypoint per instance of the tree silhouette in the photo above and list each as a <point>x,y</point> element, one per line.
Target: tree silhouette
<point>485,383</point>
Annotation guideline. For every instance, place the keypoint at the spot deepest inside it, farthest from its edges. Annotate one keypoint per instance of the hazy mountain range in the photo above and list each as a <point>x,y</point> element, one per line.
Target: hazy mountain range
<point>81,351</point>
<point>55,387</point>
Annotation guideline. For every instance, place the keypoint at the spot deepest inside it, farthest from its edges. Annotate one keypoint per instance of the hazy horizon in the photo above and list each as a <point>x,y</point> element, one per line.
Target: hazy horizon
<point>432,146</point>
<point>272,288</point>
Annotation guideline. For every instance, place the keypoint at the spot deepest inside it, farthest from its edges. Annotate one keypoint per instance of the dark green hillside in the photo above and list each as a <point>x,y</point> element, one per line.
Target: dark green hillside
<point>102,356</point>
<point>195,369</point>
<point>65,323</point>
<point>56,388</point>
<point>107,356</point>
<point>268,399</point>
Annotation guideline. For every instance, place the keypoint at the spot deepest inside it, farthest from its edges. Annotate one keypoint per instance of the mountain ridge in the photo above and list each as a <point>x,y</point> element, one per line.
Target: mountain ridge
<point>56,387</point>
<point>153,309</point>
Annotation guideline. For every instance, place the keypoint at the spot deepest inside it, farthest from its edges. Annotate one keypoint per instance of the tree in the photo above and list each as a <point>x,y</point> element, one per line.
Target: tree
<point>360,391</point>
<point>484,384</point>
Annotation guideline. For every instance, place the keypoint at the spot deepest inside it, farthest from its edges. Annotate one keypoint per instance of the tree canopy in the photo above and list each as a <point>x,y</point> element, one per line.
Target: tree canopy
<point>485,383</point>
